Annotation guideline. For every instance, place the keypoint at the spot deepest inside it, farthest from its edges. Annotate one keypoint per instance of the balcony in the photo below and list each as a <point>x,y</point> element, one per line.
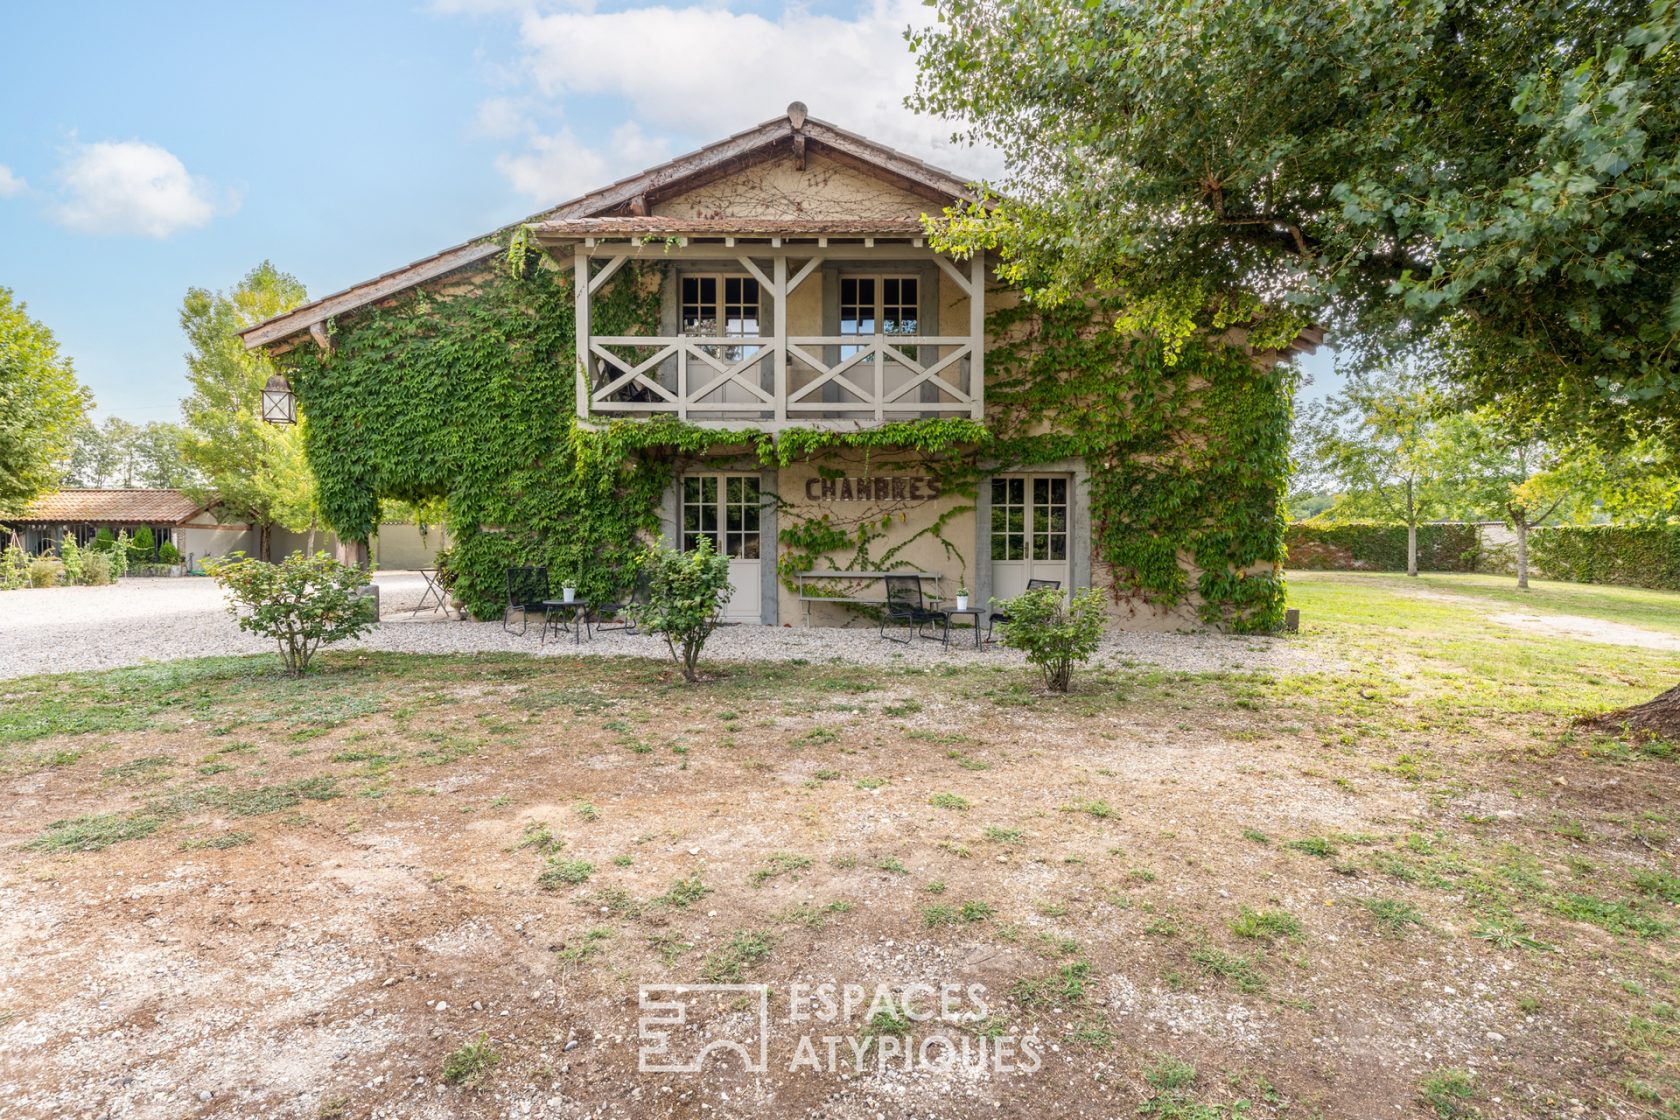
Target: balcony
<point>876,369</point>
<point>802,381</point>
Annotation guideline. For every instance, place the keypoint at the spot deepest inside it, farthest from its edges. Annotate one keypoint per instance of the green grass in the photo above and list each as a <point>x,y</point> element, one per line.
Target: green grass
<point>729,964</point>
<point>1448,1094</point>
<point>1394,917</point>
<point>94,833</point>
<point>1244,972</point>
<point>949,801</point>
<point>684,893</point>
<point>565,873</point>
<point>1265,925</point>
<point>780,863</point>
<point>471,1063</point>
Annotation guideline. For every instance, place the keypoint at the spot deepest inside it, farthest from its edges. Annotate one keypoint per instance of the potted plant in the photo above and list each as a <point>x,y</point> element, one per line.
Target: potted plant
<point>962,596</point>
<point>568,590</point>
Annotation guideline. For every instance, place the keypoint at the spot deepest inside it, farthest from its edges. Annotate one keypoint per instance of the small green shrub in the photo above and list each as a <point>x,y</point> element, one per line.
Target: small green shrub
<point>168,553</point>
<point>70,555</point>
<point>1055,635</point>
<point>97,569</point>
<point>686,592</point>
<point>119,554</point>
<point>142,547</point>
<point>45,571</point>
<point>303,602</point>
<point>14,566</point>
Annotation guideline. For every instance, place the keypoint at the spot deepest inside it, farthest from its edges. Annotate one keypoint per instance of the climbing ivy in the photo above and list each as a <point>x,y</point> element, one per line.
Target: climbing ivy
<point>466,392</point>
<point>1187,444</point>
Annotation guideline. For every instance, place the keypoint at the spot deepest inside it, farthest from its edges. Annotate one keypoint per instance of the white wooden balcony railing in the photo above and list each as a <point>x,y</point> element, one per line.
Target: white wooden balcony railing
<point>834,378</point>
<point>780,380</point>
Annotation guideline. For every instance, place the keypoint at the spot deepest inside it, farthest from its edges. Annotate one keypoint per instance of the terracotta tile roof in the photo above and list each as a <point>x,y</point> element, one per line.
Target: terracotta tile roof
<point>656,226</point>
<point>126,507</point>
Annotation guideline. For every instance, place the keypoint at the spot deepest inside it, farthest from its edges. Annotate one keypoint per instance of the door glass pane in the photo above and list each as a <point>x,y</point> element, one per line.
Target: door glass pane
<point>699,510</point>
<point>740,306</point>
<point>1050,518</point>
<point>699,305</point>
<point>1008,519</point>
<point>741,517</point>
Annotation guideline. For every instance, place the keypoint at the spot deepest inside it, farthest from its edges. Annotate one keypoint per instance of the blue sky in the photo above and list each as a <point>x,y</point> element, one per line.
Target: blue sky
<point>149,148</point>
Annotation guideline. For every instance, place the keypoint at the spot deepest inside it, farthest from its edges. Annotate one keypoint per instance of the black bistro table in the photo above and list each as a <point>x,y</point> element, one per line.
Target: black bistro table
<point>977,613</point>
<point>558,614</point>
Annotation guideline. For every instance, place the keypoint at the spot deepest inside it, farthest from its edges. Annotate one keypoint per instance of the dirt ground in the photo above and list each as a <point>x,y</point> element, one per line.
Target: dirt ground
<point>287,900</point>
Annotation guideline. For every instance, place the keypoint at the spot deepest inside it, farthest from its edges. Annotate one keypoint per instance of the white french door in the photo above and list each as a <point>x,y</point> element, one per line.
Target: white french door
<point>727,508</point>
<point>1029,531</point>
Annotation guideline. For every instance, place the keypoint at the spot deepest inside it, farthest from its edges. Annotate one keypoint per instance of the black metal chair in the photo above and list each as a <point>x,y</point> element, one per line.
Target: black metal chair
<point>997,616</point>
<point>526,590</point>
<point>619,611</point>
<point>905,606</point>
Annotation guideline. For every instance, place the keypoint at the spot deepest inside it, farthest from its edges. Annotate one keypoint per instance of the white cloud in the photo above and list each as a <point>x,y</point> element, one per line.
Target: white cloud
<point>132,187</point>
<point>701,73</point>
<point>558,166</point>
<point>10,183</point>
<point>502,118</point>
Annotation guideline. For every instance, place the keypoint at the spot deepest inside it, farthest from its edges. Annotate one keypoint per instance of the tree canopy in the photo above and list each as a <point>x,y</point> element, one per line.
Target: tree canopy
<point>119,453</point>
<point>257,471</point>
<point>1505,174</point>
<point>41,406</point>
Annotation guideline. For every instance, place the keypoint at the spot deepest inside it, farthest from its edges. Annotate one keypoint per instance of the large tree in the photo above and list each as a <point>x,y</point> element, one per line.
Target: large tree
<point>1505,175</point>
<point>1394,167</point>
<point>41,406</point>
<point>256,471</point>
<point>1380,444</point>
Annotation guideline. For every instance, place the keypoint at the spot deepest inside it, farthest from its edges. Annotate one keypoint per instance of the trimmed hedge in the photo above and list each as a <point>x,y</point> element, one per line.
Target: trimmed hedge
<point>1633,557</point>
<point>1374,546</point>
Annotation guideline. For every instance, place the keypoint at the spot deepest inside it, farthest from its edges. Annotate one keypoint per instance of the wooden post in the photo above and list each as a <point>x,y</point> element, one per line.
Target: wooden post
<point>580,283</point>
<point>779,317</point>
<point>977,331</point>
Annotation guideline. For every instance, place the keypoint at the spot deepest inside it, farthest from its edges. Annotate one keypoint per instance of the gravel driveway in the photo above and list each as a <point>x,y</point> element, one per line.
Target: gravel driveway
<point>67,629</point>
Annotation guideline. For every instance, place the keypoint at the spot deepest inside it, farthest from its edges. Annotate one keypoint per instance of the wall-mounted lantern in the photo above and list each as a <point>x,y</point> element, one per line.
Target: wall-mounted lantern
<point>279,403</point>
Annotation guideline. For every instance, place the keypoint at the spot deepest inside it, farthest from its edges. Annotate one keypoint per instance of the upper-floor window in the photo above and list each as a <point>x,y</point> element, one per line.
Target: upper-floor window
<point>715,306</point>
<point>879,305</point>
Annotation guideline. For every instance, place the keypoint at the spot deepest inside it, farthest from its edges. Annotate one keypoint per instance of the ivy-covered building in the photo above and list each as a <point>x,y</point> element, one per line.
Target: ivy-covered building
<point>756,343</point>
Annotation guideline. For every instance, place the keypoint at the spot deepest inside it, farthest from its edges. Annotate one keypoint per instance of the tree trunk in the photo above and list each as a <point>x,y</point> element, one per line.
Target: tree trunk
<point>1411,549</point>
<point>311,549</point>
<point>263,543</point>
<point>1658,718</point>
<point>1522,555</point>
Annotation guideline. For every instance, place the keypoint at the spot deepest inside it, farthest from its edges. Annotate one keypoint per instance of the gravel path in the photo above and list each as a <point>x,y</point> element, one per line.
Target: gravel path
<point>69,629</point>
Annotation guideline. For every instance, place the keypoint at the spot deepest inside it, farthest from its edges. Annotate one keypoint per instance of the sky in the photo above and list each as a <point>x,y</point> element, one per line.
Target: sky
<point>147,148</point>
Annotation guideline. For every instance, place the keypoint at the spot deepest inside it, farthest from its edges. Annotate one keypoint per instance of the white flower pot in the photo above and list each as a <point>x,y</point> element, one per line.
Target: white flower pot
<point>568,593</point>
<point>962,602</point>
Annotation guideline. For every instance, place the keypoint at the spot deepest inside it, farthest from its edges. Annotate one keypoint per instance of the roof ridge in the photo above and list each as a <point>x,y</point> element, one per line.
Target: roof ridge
<point>470,252</point>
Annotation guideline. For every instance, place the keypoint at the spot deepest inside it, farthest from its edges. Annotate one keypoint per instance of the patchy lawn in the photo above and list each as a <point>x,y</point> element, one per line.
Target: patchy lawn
<point>429,887</point>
